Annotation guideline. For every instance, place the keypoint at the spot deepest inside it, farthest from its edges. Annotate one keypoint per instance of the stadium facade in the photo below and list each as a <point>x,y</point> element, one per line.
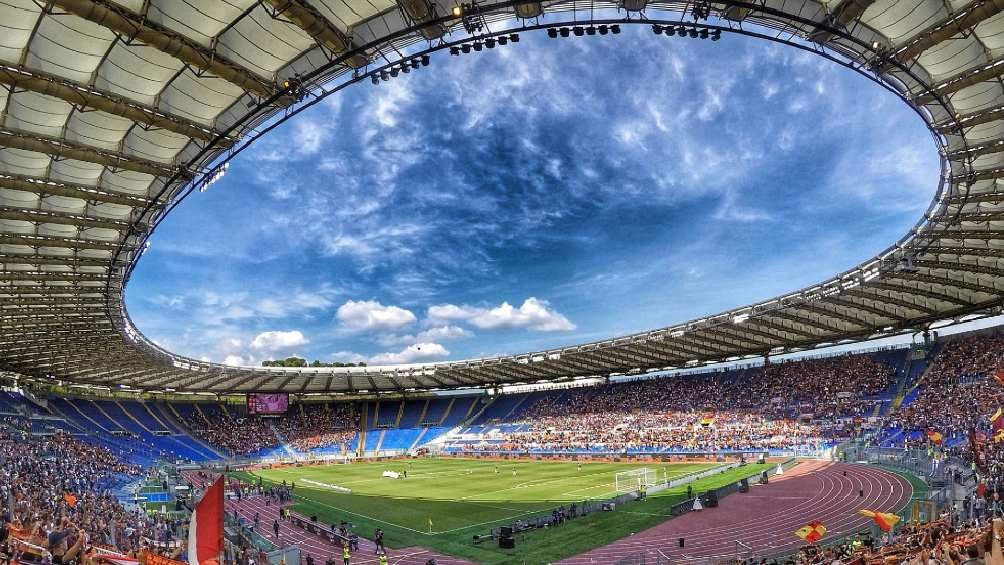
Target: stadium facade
<point>112,113</point>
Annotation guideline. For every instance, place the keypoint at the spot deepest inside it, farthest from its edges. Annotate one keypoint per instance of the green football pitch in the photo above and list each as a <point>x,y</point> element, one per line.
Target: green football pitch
<point>443,502</point>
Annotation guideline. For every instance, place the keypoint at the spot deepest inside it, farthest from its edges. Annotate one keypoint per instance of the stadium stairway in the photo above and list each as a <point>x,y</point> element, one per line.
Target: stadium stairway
<point>418,440</point>
<point>468,420</point>
<point>288,449</point>
<point>169,416</point>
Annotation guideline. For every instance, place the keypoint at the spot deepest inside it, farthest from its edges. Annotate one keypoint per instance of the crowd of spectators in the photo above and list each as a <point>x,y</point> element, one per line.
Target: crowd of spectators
<point>959,391</point>
<point>938,542</point>
<point>782,405</point>
<point>319,424</point>
<point>304,427</point>
<point>55,504</point>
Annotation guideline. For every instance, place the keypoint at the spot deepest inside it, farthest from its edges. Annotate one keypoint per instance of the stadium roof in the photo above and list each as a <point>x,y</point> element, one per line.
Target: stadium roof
<point>112,112</point>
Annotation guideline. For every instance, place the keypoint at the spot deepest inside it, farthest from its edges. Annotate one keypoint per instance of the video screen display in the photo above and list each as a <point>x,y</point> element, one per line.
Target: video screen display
<point>265,404</point>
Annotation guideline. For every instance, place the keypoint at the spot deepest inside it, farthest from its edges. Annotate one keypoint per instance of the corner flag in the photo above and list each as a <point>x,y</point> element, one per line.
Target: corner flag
<point>205,533</point>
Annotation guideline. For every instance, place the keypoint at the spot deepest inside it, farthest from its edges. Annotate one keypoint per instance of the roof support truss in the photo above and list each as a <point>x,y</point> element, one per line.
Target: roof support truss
<point>62,149</point>
<point>965,19</point>
<point>137,28</point>
<point>90,97</point>
<point>962,80</point>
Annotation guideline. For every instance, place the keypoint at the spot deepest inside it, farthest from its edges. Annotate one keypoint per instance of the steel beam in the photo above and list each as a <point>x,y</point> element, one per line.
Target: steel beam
<point>957,82</point>
<point>319,28</point>
<point>90,97</point>
<point>46,187</point>
<point>958,23</point>
<point>63,149</point>
<point>135,27</point>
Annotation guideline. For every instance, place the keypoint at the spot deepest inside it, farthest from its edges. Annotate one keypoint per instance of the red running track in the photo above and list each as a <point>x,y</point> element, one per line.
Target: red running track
<point>320,548</point>
<point>767,517</point>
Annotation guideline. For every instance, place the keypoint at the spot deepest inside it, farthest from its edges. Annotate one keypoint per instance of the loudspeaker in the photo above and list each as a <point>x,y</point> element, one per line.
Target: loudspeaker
<point>507,542</point>
<point>710,499</point>
<point>505,532</point>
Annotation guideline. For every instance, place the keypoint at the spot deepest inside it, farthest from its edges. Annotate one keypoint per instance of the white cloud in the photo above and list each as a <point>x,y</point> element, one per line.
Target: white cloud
<point>441,333</point>
<point>234,361</point>
<point>278,340</point>
<point>534,314</point>
<point>310,136</point>
<point>371,315</point>
<point>411,354</point>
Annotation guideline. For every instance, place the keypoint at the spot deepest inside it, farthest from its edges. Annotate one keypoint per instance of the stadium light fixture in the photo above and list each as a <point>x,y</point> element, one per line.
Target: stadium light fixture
<point>670,30</point>
<point>591,30</point>
<point>455,51</point>
<point>615,29</point>
<point>657,29</point>
<point>603,29</point>
<point>716,35</point>
<point>213,176</point>
<point>578,31</point>
<point>704,34</point>
<point>564,32</point>
<point>552,33</point>
<point>490,43</point>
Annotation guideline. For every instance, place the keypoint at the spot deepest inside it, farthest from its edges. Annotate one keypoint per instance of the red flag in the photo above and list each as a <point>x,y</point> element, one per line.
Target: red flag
<point>999,376</point>
<point>205,533</point>
<point>70,499</point>
<point>935,436</point>
<point>981,489</point>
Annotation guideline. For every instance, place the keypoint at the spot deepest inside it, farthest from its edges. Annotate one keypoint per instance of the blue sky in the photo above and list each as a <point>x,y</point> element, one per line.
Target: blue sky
<point>545,193</point>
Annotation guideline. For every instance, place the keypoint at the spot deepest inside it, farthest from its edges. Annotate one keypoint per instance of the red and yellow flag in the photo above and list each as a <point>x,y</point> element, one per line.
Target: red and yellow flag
<point>71,500</point>
<point>997,420</point>
<point>811,532</point>
<point>884,520</point>
<point>999,376</point>
<point>935,436</point>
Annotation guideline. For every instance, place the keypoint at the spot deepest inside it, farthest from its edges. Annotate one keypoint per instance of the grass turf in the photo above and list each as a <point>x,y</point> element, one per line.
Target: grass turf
<point>464,497</point>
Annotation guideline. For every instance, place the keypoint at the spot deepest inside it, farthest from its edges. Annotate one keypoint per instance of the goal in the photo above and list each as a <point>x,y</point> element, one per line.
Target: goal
<point>628,481</point>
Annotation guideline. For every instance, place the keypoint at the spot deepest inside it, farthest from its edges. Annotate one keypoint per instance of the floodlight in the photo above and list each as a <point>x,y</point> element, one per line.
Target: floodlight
<point>490,43</point>
<point>657,29</point>
<point>458,11</point>
<point>716,35</point>
<point>564,32</point>
<point>374,79</point>
<point>514,37</point>
<point>425,60</point>
<point>466,48</point>
<point>615,29</point>
<point>454,50</point>
<point>603,29</point>
<point>578,31</point>
<point>552,33</point>
<point>591,30</point>
<point>703,34</point>
<point>477,46</point>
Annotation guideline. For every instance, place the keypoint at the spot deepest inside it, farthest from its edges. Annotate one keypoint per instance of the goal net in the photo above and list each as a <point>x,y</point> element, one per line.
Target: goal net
<point>628,481</point>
